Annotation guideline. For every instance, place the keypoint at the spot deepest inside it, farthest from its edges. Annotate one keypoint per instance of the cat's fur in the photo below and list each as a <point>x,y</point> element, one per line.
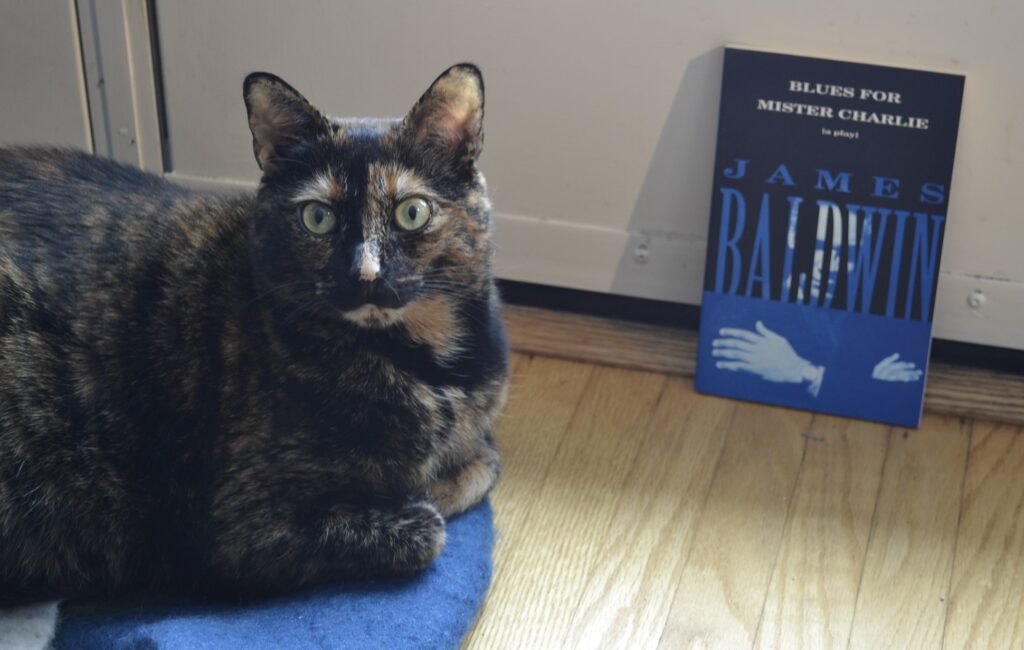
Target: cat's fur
<point>197,392</point>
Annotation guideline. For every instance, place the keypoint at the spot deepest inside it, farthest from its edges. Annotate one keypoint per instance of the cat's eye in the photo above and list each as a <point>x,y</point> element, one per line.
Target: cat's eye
<point>412,214</point>
<point>318,218</point>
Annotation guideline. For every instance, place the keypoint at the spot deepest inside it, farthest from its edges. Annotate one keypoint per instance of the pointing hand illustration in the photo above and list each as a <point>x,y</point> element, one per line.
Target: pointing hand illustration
<point>892,369</point>
<point>765,354</point>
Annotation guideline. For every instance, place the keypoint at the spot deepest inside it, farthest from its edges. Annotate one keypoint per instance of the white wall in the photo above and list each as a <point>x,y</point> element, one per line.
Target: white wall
<point>601,117</point>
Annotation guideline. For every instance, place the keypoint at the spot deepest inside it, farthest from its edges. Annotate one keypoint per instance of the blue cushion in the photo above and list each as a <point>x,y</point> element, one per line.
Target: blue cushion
<point>431,610</point>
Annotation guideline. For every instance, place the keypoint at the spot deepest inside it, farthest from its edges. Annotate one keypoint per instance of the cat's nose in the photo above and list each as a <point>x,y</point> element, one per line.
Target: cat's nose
<point>365,263</point>
<point>366,275</point>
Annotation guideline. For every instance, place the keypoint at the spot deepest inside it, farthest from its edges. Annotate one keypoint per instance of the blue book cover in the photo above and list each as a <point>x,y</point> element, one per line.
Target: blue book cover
<point>829,206</point>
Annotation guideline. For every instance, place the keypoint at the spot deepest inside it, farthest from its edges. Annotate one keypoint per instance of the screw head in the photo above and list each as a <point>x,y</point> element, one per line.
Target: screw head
<point>642,253</point>
<point>977,299</point>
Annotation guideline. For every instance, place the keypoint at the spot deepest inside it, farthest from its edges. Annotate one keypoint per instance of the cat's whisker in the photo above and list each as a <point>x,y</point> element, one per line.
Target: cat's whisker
<point>389,286</point>
<point>274,289</point>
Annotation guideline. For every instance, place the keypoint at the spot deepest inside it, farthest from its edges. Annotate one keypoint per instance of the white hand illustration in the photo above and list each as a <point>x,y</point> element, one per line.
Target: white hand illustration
<point>765,354</point>
<point>892,369</point>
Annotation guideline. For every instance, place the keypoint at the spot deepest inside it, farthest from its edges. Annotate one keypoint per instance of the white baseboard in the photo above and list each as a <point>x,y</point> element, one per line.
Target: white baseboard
<point>604,260</point>
<point>998,321</point>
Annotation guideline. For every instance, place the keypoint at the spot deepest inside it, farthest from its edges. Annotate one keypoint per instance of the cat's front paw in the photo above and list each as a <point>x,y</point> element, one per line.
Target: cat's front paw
<point>418,532</point>
<point>468,486</point>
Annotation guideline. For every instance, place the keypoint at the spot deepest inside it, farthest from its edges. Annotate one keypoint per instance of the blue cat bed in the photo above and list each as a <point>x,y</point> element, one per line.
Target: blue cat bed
<point>431,610</point>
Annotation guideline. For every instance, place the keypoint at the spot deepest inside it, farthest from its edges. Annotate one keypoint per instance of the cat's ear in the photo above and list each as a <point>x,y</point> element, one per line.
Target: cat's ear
<point>449,117</point>
<point>280,118</point>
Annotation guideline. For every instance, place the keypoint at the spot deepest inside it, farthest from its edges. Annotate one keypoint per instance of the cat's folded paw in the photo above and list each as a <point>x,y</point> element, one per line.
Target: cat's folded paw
<point>418,536</point>
<point>468,486</point>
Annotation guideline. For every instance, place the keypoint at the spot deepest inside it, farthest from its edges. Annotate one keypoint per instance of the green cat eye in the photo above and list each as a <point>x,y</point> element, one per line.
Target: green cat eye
<point>318,218</point>
<point>412,214</point>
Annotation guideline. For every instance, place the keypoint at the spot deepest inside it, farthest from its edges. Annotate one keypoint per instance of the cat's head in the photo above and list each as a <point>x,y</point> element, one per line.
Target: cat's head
<point>370,219</point>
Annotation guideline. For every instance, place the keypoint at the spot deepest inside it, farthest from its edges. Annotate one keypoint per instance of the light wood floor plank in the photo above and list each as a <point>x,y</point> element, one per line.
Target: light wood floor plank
<point>542,400</point>
<point>627,598</point>
<point>987,596</point>
<point>815,581</point>
<point>722,589</point>
<point>902,599</point>
<point>544,396</point>
<point>564,533</point>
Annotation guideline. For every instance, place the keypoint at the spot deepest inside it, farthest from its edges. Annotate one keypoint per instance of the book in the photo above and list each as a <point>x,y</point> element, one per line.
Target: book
<point>828,214</point>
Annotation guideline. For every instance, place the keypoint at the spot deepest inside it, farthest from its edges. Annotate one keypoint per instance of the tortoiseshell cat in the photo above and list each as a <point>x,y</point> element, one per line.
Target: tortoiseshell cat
<point>242,396</point>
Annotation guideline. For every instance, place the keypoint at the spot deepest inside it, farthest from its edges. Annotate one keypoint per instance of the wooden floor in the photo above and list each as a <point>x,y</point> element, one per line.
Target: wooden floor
<point>634,513</point>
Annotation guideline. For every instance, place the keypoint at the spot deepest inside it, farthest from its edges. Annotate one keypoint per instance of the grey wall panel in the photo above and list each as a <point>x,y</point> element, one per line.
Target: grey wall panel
<point>43,98</point>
